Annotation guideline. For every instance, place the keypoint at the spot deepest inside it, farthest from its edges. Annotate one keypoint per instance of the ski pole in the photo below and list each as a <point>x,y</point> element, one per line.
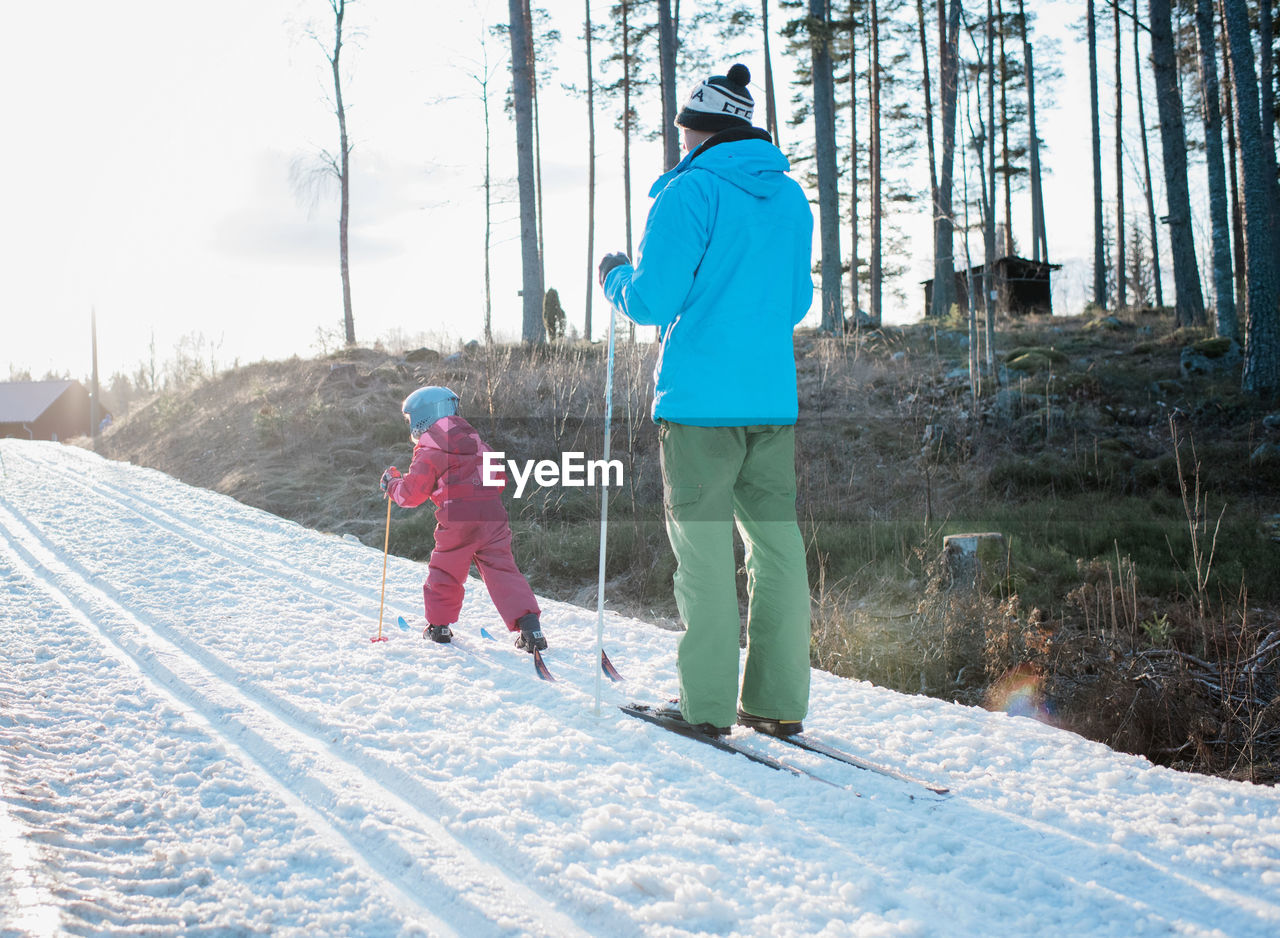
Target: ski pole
<point>386,544</point>
<point>604,511</point>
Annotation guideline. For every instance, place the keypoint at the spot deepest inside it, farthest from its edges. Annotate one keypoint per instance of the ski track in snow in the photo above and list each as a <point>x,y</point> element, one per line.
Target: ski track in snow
<point>197,737</point>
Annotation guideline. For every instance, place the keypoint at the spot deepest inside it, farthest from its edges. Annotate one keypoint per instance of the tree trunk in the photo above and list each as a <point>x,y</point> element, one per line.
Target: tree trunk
<point>1233,165</point>
<point>989,229</point>
<point>1262,336</point>
<point>537,129</point>
<point>1157,276</point>
<point>770,96</point>
<point>532,329</point>
<point>944,268</point>
<point>1008,247</point>
<point>877,208</point>
<point>1099,250</point>
<point>825,149</point>
<point>1266,83</point>
<point>1188,299</point>
<point>626,138</point>
<point>928,114</point>
<point>1121,299</point>
<point>1224,294</point>
<point>667,67</point>
<point>1039,227</point>
<point>343,171</point>
<point>488,199</point>
<point>591,176</point>
<point>854,263</point>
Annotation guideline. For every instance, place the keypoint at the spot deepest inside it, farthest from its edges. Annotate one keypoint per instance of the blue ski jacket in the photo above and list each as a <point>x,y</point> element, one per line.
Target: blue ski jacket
<point>724,272</point>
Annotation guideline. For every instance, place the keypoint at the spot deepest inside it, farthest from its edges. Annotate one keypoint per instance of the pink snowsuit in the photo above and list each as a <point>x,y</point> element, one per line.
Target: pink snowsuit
<point>471,524</point>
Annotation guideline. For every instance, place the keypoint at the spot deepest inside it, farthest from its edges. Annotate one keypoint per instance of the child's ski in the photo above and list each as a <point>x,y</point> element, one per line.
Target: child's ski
<point>540,666</point>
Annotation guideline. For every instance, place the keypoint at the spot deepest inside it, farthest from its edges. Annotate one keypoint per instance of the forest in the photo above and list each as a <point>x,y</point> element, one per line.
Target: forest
<point>877,80</point>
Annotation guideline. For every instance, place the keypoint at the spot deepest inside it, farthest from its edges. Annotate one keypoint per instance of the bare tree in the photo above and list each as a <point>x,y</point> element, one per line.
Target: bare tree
<point>335,166</point>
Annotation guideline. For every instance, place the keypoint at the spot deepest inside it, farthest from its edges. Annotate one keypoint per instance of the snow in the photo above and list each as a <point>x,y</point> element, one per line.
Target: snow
<point>198,737</point>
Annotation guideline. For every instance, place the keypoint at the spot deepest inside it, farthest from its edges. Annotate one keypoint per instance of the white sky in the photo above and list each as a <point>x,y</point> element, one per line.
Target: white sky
<point>150,145</point>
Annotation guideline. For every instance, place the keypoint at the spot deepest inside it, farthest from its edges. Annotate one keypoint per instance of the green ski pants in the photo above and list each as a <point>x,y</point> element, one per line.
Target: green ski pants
<point>713,477</point>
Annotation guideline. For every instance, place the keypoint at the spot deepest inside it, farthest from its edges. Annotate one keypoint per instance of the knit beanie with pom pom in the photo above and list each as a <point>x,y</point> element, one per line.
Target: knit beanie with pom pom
<point>719,103</point>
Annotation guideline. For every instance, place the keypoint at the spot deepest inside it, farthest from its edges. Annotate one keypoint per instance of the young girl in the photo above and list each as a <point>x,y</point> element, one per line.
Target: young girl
<point>471,522</point>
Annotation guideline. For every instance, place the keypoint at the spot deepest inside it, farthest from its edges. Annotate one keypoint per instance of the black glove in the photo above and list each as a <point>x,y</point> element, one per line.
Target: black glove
<point>610,261</point>
<point>391,473</point>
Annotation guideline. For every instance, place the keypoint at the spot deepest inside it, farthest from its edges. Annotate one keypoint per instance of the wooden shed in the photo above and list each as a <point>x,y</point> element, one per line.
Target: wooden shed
<point>1021,287</point>
<point>44,410</point>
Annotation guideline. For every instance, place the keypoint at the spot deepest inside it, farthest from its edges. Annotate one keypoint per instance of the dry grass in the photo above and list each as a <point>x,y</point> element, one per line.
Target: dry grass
<point>1126,491</point>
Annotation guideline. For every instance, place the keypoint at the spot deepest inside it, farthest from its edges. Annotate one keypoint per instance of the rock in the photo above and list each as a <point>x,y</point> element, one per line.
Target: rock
<point>1267,454</point>
<point>1210,357</point>
<point>421,355</point>
<point>342,376</point>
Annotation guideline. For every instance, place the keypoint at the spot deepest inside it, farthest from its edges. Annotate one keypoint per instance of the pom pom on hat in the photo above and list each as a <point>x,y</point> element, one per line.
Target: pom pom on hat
<point>720,102</point>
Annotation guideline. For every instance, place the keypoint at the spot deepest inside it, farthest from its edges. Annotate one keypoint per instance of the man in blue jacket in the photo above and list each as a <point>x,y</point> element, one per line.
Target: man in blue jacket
<point>724,273</point>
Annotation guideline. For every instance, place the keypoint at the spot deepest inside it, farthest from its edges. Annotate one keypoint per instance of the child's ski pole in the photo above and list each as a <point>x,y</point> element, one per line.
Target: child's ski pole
<point>386,544</point>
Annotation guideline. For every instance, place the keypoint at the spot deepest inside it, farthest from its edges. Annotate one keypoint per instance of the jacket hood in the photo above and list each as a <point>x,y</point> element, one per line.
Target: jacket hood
<point>452,435</point>
<point>745,158</point>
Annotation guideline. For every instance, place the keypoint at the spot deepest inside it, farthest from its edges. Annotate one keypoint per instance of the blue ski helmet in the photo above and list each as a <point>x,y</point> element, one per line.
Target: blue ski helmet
<point>425,406</point>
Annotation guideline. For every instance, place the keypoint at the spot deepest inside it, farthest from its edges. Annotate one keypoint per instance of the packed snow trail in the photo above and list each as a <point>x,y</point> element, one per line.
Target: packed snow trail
<point>197,737</point>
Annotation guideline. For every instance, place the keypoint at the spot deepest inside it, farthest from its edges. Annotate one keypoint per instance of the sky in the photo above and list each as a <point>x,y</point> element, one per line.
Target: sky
<point>241,759</point>
<point>155,157</point>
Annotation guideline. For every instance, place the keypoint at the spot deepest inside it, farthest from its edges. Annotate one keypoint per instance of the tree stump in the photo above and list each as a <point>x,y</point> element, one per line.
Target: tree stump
<point>975,561</point>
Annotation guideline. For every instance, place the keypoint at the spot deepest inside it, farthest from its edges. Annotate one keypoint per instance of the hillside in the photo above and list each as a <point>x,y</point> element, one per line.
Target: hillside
<point>197,736</point>
<point>1138,490</point>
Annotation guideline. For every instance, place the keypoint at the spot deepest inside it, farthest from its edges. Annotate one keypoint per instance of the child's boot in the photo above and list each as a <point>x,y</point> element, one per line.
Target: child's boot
<point>438,633</point>
<point>530,638</point>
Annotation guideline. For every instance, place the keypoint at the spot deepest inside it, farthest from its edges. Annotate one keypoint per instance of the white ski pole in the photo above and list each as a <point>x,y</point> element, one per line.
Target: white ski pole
<point>604,512</point>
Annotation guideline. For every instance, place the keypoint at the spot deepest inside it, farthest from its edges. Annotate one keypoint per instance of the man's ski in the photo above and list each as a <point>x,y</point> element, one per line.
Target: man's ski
<point>801,741</point>
<point>607,667</point>
<point>723,743</point>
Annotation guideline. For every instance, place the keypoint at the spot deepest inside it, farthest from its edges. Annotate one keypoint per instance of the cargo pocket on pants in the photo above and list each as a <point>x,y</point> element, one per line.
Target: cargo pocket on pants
<point>681,495</point>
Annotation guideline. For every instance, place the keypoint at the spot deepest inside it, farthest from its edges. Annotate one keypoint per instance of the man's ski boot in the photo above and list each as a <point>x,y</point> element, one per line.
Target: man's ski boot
<point>672,712</point>
<point>530,638</point>
<point>438,633</point>
<point>769,725</point>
